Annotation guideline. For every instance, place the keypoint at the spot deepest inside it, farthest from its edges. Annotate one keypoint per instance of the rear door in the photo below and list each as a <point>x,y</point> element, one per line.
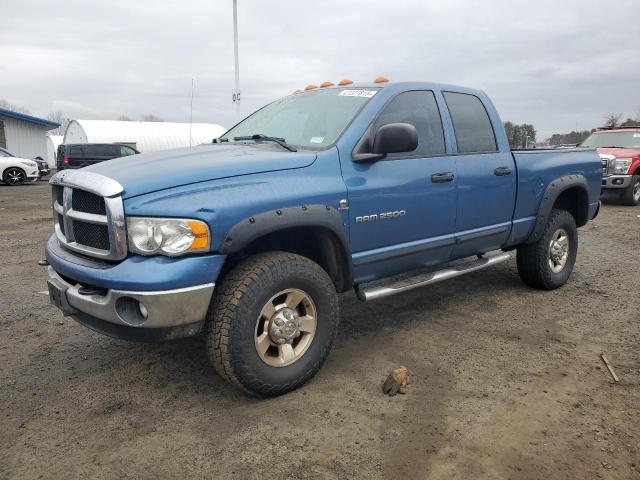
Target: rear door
<point>486,178</point>
<point>402,208</point>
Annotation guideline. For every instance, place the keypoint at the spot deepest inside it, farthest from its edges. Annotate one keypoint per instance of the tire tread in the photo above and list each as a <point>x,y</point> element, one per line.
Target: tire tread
<point>242,282</point>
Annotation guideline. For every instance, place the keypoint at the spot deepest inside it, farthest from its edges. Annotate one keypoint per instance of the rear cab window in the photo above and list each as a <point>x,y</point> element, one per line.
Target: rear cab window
<point>471,123</point>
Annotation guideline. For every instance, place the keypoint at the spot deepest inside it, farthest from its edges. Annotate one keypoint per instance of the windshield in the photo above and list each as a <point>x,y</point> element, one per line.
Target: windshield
<point>314,119</point>
<point>4,153</point>
<point>627,139</point>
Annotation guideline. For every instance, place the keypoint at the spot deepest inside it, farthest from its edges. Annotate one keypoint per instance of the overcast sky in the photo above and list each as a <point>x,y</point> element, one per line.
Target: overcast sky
<point>557,64</point>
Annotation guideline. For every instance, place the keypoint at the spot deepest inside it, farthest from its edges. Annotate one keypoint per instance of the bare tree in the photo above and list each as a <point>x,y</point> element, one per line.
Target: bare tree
<point>150,117</point>
<point>14,108</point>
<point>124,118</point>
<point>60,118</point>
<point>612,119</point>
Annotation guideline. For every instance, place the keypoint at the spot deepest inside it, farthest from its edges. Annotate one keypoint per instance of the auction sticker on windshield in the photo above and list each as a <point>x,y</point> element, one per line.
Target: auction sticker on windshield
<point>358,93</point>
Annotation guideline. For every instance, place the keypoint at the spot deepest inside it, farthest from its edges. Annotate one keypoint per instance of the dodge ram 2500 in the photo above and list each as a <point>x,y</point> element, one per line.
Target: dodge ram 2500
<point>379,187</point>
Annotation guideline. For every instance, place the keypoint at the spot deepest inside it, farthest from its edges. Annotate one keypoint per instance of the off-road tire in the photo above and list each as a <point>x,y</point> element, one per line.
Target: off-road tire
<point>533,258</point>
<point>234,311</point>
<point>628,195</point>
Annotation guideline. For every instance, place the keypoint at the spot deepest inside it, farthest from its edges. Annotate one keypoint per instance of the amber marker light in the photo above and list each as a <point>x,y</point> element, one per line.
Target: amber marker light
<point>381,80</point>
<point>345,81</point>
<point>326,84</point>
<point>310,87</point>
<point>200,234</point>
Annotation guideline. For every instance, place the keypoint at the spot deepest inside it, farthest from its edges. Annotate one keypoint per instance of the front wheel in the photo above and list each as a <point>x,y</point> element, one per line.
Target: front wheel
<point>14,176</point>
<point>271,323</point>
<point>548,263</point>
<point>631,195</point>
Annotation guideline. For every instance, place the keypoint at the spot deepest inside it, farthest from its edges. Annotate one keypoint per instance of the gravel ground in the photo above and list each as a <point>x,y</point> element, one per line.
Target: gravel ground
<point>507,381</point>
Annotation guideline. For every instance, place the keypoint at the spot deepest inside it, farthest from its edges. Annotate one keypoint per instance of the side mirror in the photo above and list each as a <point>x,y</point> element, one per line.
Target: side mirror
<point>390,138</point>
<point>395,138</point>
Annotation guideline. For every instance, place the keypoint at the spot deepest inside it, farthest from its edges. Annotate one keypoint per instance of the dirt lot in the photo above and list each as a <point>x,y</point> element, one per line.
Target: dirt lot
<point>507,381</point>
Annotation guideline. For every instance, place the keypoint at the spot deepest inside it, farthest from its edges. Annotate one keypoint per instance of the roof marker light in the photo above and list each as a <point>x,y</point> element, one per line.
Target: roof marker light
<point>310,87</point>
<point>297,91</point>
<point>326,84</point>
<point>345,81</point>
<point>381,80</point>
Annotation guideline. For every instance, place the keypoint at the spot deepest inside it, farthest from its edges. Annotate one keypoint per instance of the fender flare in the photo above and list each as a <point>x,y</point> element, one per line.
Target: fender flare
<point>551,194</point>
<point>246,231</point>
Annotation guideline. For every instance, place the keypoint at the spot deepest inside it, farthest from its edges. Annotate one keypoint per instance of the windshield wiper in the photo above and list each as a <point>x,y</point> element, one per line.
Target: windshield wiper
<point>220,140</point>
<point>261,136</point>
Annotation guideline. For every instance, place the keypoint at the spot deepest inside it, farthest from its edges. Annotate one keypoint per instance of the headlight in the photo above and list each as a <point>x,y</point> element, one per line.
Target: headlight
<point>621,166</point>
<point>29,164</point>
<point>167,236</point>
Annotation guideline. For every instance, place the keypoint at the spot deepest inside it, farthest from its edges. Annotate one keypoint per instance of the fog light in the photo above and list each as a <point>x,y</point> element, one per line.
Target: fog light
<point>131,311</point>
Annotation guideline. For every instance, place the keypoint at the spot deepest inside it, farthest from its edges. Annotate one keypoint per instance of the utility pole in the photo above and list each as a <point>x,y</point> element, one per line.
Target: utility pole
<point>191,114</point>
<point>236,93</point>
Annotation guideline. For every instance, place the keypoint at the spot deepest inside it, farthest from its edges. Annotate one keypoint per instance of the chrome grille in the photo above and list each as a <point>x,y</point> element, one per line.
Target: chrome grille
<point>91,235</point>
<point>607,161</point>
<point>88,214</point>
<point>83,201</point>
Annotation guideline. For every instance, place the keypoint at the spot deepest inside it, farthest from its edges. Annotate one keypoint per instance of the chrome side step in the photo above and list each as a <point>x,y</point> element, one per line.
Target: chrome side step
<point>375,291</point>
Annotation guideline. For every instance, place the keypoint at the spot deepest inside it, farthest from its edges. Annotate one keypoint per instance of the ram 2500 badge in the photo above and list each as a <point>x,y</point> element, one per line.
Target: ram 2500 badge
<point>379,187</point>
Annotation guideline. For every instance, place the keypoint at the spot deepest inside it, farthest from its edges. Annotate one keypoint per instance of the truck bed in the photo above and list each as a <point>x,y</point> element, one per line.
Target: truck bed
<point>537,168</point>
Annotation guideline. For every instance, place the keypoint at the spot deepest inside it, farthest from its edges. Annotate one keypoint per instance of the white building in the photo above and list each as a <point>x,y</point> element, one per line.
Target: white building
<point>143,136</point>
<point>52,148</point>
<point>23,135</point>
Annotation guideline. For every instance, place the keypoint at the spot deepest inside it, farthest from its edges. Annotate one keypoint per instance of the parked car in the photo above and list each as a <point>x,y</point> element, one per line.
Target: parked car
<point>16,170</point>
<point>80,155</point>
<point>43,167</point>
<point>619,149</point>
<point>249,240</point>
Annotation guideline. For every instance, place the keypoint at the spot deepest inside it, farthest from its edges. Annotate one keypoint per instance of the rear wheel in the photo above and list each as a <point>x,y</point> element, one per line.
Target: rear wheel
<point>272,322</point>
<point>14,176</point>
<point>631,195</point>
<point>548,263</point>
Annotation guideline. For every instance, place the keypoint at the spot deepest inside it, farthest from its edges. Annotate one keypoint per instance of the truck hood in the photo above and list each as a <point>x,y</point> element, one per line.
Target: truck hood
<point>149,172</point>
<point>620,152</point>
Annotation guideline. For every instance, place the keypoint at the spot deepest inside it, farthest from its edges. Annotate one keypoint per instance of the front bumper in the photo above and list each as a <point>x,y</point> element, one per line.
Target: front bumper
<point>133,315</point>
<point>616,181</point>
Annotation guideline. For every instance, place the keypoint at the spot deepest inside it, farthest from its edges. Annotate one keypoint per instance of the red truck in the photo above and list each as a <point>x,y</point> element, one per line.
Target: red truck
<point>619,149</point>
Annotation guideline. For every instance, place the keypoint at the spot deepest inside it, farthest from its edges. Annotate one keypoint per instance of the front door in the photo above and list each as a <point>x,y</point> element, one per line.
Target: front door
<point>402,209</point>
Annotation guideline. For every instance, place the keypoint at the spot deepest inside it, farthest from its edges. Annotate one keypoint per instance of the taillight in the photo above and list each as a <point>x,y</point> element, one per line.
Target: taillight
<point>65,160</point>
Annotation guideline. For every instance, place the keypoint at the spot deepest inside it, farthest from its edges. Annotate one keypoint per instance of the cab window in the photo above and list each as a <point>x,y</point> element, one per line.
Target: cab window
<point>471,123</point>
<point>419,108</point>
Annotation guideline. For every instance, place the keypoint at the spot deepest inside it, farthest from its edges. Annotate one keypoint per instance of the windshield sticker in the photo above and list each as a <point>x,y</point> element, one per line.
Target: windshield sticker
<point>316,140</point>
<point>358,93</point>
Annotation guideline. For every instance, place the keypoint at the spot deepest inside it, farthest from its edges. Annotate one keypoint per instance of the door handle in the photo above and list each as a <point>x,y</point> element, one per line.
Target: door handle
<point>442,177</point>
<point>502,171</point>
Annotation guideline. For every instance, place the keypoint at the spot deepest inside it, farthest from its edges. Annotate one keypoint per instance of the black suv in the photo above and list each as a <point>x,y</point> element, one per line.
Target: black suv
<point>80,155</point>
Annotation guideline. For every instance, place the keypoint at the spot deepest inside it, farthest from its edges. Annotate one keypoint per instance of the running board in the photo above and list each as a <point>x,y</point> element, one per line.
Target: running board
<point>374,292</point>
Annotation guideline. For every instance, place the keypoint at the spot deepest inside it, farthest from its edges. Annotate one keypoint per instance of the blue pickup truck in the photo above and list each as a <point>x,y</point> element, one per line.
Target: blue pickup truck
<point>378,187</point>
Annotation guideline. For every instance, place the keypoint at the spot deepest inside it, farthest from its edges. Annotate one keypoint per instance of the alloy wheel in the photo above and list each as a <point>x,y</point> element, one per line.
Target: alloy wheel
<point>558,250</point>
<point>14,176</point>
<point>285,327</point>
